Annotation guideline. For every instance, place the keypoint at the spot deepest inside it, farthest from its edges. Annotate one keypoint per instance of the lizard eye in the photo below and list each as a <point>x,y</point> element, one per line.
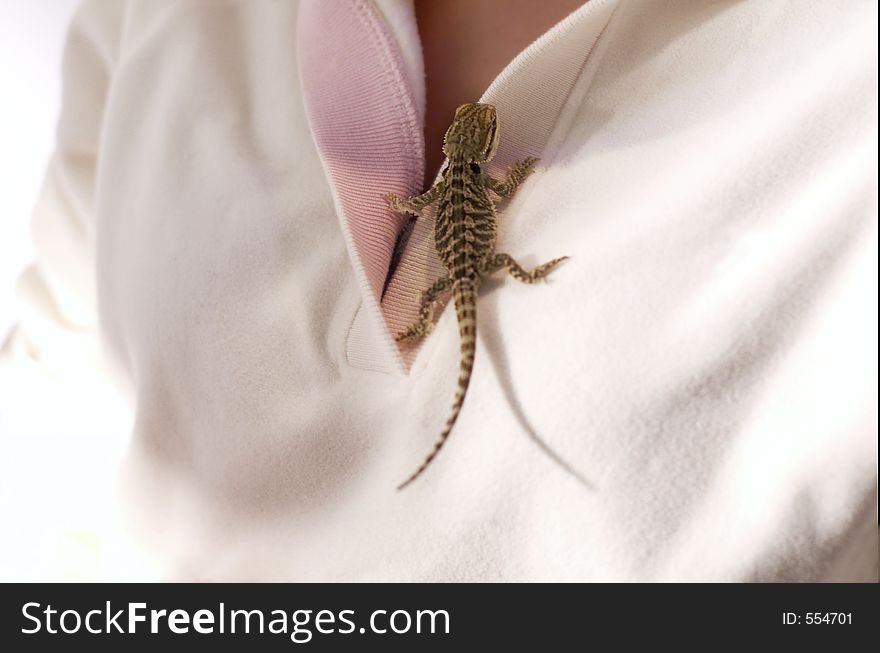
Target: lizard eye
<point>475,168</point>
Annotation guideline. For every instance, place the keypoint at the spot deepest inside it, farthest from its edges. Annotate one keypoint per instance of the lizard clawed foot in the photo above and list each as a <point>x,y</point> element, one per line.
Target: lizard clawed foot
<point>528,164</point>
<point>408,335</point>
<point>414,332</point>
<point>544,270</point>
<point>522,169</point>
<point>394,201</point>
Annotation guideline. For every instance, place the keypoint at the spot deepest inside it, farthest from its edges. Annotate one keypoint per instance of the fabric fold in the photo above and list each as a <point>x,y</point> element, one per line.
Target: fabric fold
<point>365,119</point>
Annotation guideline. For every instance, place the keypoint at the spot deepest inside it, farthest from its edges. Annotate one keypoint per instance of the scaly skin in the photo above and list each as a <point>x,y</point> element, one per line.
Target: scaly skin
<point>465,229</point>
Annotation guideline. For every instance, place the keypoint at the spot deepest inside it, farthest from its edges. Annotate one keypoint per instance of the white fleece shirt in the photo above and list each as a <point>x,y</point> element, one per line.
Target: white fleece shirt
<point>204,385</point>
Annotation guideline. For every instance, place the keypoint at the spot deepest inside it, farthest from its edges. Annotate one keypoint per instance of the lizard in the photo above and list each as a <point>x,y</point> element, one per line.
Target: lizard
<point>465,230</point>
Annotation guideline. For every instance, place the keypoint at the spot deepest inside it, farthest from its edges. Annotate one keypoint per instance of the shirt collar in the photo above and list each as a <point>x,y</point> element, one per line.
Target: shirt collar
<point>363,86</point>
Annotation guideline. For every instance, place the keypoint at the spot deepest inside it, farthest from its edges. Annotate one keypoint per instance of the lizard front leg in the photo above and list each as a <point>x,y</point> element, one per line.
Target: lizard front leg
<point>495,262</point>
<point>515,176</point>
<point>413,205</point>
<point>426,312</point>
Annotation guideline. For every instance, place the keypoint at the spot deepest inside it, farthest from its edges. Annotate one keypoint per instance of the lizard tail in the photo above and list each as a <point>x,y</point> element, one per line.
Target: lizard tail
<point>464,294</point>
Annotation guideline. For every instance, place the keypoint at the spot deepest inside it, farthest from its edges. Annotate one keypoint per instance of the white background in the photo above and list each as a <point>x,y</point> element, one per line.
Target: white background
<point>31,42</point>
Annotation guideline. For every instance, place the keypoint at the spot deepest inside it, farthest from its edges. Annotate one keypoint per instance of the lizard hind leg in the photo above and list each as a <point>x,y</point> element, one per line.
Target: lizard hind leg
<point>425,323</point>
<point>498,261</point>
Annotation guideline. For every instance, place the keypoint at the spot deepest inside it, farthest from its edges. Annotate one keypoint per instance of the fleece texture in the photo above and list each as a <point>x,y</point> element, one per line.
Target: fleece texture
<point>204,383</point>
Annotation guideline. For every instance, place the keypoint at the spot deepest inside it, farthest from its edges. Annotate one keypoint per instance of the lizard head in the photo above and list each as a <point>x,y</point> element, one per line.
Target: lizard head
<point>473,135</point>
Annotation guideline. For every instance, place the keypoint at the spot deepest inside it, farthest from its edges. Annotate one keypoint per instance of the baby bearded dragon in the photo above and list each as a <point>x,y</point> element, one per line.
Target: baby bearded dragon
<point>464,235</point>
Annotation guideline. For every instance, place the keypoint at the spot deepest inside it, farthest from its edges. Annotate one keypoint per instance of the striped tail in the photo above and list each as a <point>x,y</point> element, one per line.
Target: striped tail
<point>464,293</point>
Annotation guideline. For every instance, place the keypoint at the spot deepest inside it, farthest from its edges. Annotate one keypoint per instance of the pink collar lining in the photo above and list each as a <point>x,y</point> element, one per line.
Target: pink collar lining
<point>367,129</point>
